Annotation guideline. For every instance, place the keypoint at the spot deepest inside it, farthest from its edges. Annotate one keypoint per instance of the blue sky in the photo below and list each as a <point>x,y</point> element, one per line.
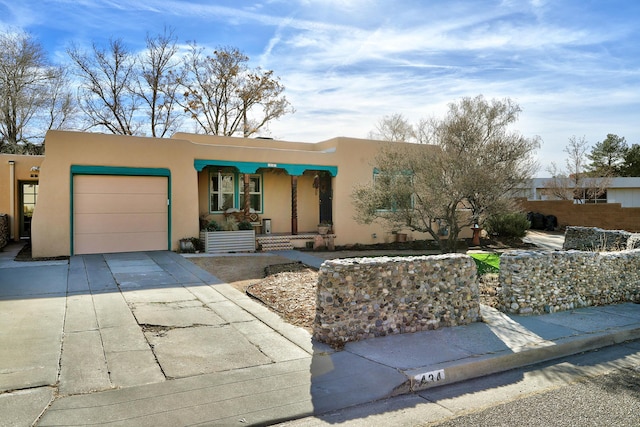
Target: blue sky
<point>573,66</point>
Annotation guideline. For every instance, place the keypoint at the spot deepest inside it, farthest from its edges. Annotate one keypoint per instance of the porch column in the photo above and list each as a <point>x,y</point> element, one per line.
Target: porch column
<point>12,198</point>
<point>294,204</point>
<point>247,198</point>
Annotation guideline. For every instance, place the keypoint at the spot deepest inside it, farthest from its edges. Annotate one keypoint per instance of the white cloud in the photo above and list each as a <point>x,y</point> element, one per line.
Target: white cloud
<point>347,63</point>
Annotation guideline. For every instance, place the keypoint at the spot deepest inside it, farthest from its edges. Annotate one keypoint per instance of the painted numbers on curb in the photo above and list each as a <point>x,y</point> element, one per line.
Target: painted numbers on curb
<point>429,377</point>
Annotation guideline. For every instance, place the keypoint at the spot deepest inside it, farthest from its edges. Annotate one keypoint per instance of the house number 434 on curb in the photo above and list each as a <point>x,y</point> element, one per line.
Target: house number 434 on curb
<point>429,377</point>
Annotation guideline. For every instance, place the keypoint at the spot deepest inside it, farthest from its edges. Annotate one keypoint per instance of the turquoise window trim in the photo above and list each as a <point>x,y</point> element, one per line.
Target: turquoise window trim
<point>237,190</point>
<point>252,167</point>
<point>121,171</point>
<point>377,172</point>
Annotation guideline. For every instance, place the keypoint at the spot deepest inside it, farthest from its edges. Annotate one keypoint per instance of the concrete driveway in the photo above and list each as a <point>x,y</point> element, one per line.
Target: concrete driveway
<point>151,339</point>
<point>103,322</point>
<point>551,240</point>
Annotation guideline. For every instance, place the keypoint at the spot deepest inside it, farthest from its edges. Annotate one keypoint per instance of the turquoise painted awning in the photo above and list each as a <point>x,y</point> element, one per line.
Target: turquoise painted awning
<point>252,167</point>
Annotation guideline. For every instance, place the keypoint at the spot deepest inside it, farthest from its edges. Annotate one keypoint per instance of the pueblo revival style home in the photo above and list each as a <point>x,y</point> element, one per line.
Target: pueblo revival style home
<point>99,193</point>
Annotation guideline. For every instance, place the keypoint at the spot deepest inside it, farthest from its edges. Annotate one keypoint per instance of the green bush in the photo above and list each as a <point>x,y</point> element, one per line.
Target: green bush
<point>245,225</point>
<point>213,226</point>
<point>197,244</point>
<point>510,225</point>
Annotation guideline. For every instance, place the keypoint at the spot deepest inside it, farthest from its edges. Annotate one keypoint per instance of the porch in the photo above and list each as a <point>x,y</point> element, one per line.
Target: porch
<point>287,197</point>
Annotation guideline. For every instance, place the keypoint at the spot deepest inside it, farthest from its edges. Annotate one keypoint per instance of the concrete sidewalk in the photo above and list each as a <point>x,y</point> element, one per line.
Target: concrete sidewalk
<point>150,339</point>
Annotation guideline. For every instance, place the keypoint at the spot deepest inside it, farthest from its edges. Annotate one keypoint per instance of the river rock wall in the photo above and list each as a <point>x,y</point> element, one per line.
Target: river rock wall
<point>597,239</point>
<point>537,282</point>
<point>4,230</point>
<point>362,298</point>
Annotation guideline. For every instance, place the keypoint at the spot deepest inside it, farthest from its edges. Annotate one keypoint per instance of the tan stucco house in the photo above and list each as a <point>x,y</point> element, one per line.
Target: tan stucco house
<point>109,193</point>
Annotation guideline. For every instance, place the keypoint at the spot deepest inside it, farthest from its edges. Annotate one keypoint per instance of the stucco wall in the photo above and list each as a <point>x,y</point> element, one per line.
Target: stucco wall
<point>51,227</point>
<point>353,157</point>
<point>189,188</point>
<point>22,172</point>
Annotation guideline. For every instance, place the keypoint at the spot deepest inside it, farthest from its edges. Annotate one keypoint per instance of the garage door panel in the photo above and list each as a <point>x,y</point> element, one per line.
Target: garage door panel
<point>120,213</point>
<point>119,223</point>
<point>120,203</point>
<point>120,242</point>
<point>105,184</point>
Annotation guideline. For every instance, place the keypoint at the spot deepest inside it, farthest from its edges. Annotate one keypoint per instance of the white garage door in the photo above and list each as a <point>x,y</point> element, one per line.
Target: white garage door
<point>119,213</point>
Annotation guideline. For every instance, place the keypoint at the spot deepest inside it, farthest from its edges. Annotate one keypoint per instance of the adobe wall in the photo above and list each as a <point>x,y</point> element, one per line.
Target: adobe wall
<point>610,216</point>
<point>362,298</point>
<point>537,282</point>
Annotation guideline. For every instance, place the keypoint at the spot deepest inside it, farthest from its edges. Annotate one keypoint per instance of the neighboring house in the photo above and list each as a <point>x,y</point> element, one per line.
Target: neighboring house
<point>625,191</point>
<point>615,205</point>
<point>19,176</point>
<point>111,193</point>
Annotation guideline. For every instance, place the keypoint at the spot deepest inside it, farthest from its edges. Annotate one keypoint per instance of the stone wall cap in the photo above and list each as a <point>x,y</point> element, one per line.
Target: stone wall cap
<point>393,259</point>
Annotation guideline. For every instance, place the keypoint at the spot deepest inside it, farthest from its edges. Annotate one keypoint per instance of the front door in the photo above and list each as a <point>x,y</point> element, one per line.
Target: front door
<point>28,195</point>
<point>326,198</point>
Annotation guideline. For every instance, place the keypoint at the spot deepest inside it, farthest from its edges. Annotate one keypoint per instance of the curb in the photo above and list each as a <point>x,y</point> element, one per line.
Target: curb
<point>479,366</point>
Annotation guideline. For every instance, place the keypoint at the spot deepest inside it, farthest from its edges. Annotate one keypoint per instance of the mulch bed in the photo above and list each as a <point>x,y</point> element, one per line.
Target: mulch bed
<point>25,255</point>
<point>290,291</point>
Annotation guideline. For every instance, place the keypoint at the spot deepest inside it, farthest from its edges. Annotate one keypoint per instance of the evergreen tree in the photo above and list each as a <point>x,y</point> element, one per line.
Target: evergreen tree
<point>607,156</point>
<point>631,165</point>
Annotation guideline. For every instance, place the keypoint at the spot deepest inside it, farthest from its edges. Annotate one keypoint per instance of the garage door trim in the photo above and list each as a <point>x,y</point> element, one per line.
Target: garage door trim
<point>120,171</point>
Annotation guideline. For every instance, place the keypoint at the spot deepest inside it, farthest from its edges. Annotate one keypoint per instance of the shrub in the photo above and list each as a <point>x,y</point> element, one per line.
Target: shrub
<point>197,244</point>
<point>510,225</point>
<point>190,245</point>
<point>245,225</point>
<point>212,226</point>
<point>230,224</point>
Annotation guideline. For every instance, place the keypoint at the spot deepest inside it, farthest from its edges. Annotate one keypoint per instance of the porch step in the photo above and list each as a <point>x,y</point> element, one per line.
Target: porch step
<point>283,242</point>
<point>274,243</point>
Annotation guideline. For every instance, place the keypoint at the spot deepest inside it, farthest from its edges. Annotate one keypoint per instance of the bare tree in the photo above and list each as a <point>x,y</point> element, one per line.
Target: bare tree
<point>24,76</point>
<point>394,127</point>
<point>157,83</point>
<point>224,97</point>
<point>469,174</point>
<point>421,131</point>
<point>574,182</point>
<point>62,108</point>
<point>105,94</point>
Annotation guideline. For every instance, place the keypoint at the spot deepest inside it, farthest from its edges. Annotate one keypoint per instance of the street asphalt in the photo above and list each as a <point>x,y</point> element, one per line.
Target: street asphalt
<point>150,339</point>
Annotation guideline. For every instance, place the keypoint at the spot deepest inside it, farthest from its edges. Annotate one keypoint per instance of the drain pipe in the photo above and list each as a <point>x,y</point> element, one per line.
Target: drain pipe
<point>12,197</point>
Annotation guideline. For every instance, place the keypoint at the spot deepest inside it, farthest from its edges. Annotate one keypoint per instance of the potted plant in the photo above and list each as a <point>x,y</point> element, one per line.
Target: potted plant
<point>324,228</point>
<point>190,245</point>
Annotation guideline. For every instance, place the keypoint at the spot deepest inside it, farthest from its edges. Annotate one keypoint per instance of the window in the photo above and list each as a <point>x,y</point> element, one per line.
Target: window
<point>396,191</point>
<point>590,195</point>
<point>255,192</point>
<point>29,195</point>
<point>222,191</point>
<point>227,191</point>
